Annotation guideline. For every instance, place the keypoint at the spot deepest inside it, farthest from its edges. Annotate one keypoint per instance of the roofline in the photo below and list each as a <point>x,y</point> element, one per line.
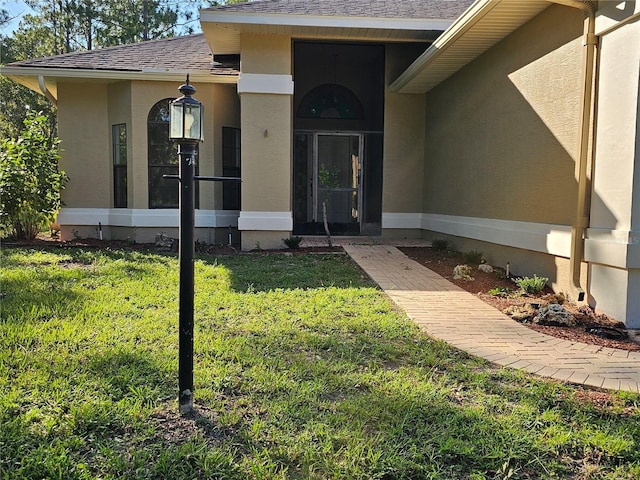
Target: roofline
<point>145,74</point>
<point>383,23</point>
<point>469,18</point>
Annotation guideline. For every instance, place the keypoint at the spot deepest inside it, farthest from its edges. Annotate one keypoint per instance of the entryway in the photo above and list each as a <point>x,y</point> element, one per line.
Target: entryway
<point>328,177</point>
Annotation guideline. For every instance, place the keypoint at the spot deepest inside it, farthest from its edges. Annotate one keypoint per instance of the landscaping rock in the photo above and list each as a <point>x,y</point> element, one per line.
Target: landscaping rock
<point>520,313</point>
<point>462,272</point>
<point>164,243</point>
<point>554,315</point>
<point>485,267</point>
<point>557,298</point>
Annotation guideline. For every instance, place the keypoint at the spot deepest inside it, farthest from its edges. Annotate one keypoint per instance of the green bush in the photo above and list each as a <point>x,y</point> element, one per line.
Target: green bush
<point>30,182</point>
<point>440,244</point>
<point>292,242</point>
<point>531,285</point>
<point>472,257</point>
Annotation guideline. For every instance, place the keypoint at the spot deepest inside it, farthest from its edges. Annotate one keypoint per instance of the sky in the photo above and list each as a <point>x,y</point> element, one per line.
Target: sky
<point>16,8</point>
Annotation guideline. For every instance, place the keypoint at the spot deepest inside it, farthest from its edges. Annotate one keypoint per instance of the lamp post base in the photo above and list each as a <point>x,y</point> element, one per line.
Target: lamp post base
<point>185,402</point>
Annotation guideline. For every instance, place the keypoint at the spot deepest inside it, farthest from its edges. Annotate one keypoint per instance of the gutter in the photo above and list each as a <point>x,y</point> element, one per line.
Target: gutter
<point>585,159</point>
<point>42,84</point>
<point>147,74</point>
<point>458,28</point>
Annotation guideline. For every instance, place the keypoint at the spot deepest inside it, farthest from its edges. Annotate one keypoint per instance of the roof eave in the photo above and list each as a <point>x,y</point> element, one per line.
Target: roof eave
<point>114,75</point>
<point>223,29</point>
<point>291,20</point>
<point>444,62</point>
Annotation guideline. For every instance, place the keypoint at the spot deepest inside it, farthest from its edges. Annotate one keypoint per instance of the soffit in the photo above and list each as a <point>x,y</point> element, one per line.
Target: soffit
<point>367,20</point>
<point>483,25</point>
<point>224,33</point>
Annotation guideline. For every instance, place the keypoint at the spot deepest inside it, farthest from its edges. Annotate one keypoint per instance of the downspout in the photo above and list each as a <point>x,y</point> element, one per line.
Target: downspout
<point>581,222</point>
<point>42,84</point>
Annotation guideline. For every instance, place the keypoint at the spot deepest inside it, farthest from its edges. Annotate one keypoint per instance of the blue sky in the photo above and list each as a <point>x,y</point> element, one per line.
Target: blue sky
<point>15,9</point>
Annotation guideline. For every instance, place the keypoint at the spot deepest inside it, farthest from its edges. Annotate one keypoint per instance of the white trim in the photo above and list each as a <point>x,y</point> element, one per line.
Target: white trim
<point>268,221</point>
<point>144,218</point>
<point>401,220</point>
<point>615,248</point>
<point>265,83</point>
<point>538,237</point>
<point>343,22</point>
<point>157,75</point>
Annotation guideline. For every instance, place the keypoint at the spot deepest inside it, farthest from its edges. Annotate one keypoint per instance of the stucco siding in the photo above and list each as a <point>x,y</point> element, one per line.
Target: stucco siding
<point>266,54</point>
<point>266,152</point>
<point>226,113</point>
<point>120,113</point>
<point>83,126</point>
<point>502,133</point>
<point>617,149</point>
<point>404,137</point>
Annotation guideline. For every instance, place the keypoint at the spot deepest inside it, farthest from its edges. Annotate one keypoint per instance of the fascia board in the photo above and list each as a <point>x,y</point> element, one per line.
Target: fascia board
<point>469,18</point>
<point>381,23</point>
<point>72,73</point>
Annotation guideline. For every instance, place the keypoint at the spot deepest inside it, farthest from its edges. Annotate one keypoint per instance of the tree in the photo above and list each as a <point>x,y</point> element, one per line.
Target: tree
<point>16,101</point>
<point>30,181</point>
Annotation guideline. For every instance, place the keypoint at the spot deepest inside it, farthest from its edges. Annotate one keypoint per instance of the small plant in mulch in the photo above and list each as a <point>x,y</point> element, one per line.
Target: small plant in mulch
<point>472,257</point>
<point>440,245</point>
<point>531,285</point>
<point>292,242</point>
<point>500,292</point>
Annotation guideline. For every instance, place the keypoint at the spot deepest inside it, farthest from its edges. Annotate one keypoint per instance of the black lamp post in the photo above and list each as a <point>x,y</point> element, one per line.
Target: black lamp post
<point>185,128</point>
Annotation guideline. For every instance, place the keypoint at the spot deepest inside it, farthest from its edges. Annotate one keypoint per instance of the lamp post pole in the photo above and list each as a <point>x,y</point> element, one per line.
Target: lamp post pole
<point>185,128</point>
<point>186,154</point>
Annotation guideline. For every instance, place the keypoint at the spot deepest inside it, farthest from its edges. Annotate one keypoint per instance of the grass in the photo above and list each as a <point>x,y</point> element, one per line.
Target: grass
<point>303,370</point>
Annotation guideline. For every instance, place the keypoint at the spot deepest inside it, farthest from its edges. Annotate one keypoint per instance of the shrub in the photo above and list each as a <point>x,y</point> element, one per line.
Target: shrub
<point>440,244</point>
<point>30,182</point>
<point>531,285</point>
<point>292,242</point>
<point>472,257</point>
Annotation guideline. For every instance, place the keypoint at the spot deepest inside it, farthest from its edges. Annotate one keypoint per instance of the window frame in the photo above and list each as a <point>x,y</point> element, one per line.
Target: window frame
<point>119,164</point>
<point>231,167</point>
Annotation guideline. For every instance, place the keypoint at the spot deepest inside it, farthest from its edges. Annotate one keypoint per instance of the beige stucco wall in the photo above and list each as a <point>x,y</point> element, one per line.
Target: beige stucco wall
<point>404,137</point>
<point>612,246</point>
<point>270,54</point>
<point>265,136</point>
<point>119,106</point>
<point>502,133</point>
<point>83,124</point>
<point>266,157</point>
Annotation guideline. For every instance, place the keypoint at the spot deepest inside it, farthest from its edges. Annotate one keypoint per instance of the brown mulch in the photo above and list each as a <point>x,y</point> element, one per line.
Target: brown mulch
<point>443,263</point>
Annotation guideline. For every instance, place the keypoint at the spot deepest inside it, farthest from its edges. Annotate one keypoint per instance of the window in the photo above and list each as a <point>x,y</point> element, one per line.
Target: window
<point>231,167</point>
<point>162,158</point>
<point>119,139</point>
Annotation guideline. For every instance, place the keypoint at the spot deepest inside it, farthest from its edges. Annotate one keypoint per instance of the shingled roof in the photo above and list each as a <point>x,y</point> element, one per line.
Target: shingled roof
<point>428,9</point>
<point>190,52</point>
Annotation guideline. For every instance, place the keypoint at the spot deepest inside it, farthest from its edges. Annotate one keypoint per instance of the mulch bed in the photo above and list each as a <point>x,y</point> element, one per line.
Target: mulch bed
<point>443,263</point>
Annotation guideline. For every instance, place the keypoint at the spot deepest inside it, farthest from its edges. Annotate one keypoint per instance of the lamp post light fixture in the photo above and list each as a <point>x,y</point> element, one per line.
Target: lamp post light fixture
<point>185,128</point>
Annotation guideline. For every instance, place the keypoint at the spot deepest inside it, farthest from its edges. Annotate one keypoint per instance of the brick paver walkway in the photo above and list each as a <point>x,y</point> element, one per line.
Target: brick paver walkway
<point>447,312</point>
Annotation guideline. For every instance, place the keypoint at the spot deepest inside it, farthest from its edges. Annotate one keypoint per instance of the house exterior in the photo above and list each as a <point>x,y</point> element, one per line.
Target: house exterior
<point>508,126</point>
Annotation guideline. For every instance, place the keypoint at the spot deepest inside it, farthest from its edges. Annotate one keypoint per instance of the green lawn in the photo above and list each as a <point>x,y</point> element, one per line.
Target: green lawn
<point>303,369</point>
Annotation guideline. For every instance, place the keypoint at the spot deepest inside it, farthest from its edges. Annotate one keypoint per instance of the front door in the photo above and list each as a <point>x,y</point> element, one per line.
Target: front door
<point>330,165</point>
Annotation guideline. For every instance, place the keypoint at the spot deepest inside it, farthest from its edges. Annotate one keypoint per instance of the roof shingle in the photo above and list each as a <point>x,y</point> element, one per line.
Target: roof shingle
<point>189,52</point>
<point>428,9</point>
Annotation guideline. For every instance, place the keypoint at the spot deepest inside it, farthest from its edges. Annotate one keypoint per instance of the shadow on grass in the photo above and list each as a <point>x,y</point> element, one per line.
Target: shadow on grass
<point>263,273</point>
